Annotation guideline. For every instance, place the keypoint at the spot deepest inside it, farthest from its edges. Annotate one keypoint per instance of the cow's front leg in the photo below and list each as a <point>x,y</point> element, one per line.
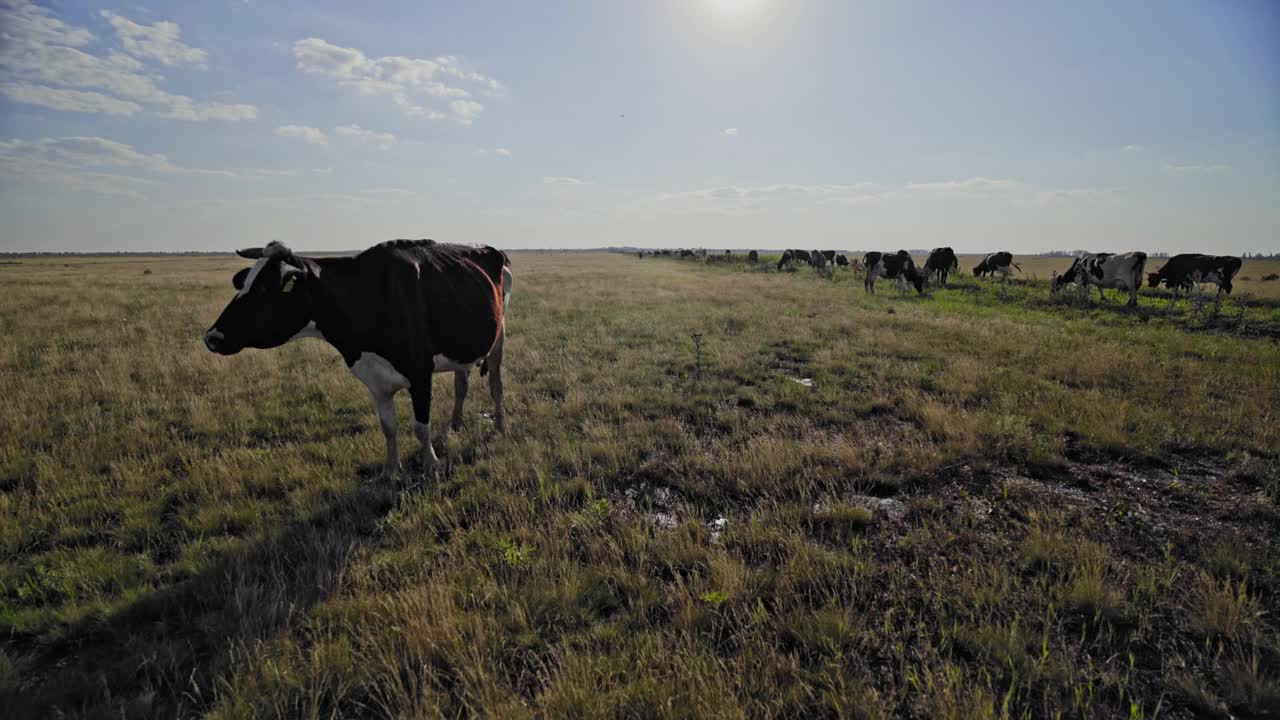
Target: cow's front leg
<point>459,397</point>
<point>420,391</point>
<point>385,404</point>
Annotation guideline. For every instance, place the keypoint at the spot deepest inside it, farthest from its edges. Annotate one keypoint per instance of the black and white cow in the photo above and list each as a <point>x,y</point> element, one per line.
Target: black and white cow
<point>834,259</point>
<point>1184,272</point>
<point>397,312</point>
<point>800,256</point>
<point>1104,270</point>
<point>941,263</point>
<point>821,263</point>
<point>997,262</point>
<point>896,266</point>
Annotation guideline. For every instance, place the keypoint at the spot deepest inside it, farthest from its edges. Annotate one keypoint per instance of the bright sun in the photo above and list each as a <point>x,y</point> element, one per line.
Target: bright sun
<point>735,8</point>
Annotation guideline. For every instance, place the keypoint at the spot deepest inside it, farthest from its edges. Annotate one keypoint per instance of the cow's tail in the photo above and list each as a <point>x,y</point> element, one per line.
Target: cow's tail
<point>1233,264</point>
<point>1017,266</point>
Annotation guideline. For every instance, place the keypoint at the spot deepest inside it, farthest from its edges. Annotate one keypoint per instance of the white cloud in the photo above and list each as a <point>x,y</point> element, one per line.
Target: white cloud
<point>1132,148</point>
<point>159,42</point>
<point>729,132</point>
<point>382,139</point>
<point>740,198</point>
<point>411,83</point>
<point>561,180</point>
<point>27,24</point>
<point>465,111</point>
<point>184,108</point>
<point>968,185</point>
<point>1095,195</point>
<point>315,136</point>
<point>68,100</point>
<point>388,192</point>
<point>323,171</point>
<point>44,62</point>
<point>79,162</point>
<point>502,152</point>
<point>1197,168</point>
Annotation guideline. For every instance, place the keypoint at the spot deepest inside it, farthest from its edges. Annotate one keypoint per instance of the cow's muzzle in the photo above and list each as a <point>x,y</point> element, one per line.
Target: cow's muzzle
<point>215,341</point>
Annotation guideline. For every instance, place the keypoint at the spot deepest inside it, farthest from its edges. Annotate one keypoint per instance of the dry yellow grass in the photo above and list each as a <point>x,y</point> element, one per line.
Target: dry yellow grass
<point>186,534</point>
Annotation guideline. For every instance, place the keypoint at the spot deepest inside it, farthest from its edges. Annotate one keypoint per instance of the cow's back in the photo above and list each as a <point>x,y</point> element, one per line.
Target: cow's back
<point>457,287</point>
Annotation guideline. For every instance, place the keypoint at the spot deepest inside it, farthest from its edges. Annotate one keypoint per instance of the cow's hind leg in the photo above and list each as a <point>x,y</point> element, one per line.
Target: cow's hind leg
<point>459,397</point>
<point>494,364</point>
<point>420,391</point>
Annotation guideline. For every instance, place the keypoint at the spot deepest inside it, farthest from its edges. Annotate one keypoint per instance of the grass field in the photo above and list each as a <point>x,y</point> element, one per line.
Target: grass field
<point>979,504</point>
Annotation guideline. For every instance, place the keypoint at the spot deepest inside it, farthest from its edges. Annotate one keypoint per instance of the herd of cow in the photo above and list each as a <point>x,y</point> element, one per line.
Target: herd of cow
<point>1119,271</point>
<point>404,310</point>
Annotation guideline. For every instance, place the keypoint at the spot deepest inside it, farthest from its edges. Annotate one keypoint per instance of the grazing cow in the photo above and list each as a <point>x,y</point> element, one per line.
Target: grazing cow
<point>820,262</point>
<point>800,256</point>
<point>1184,272</point>
<point>397,312</point>
<point>942,261</point>
<point>833,260</point>
<point>1104,270</point>
<point>898,266</point>
<point>997,262</point>
<point>686,254</point>
<point>753,257</point>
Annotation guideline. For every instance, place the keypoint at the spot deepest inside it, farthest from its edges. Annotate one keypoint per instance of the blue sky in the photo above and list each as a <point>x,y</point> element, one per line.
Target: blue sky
<point>716,123</point>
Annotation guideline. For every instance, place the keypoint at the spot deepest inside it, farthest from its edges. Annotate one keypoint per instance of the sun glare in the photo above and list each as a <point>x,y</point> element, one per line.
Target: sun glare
<point>735,8</point>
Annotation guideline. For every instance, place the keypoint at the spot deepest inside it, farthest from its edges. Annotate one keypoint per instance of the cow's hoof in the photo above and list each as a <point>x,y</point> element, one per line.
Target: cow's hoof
<point>429,468</point>
<point>389,472</point>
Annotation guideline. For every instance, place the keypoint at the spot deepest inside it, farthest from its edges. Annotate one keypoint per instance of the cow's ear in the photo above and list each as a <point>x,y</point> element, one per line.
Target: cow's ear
<point>238,280</point>
<point>250,253</point>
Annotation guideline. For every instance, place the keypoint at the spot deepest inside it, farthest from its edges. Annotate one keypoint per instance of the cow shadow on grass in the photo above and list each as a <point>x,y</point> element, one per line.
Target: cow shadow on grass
<point>168,653</point>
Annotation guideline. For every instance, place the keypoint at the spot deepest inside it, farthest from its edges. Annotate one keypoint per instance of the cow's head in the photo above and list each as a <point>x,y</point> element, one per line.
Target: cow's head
<point>1153,279</point>
<point>916,278</point>
<point>977,269</point>
<point>271,305</point>
<point>1058,283</point>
